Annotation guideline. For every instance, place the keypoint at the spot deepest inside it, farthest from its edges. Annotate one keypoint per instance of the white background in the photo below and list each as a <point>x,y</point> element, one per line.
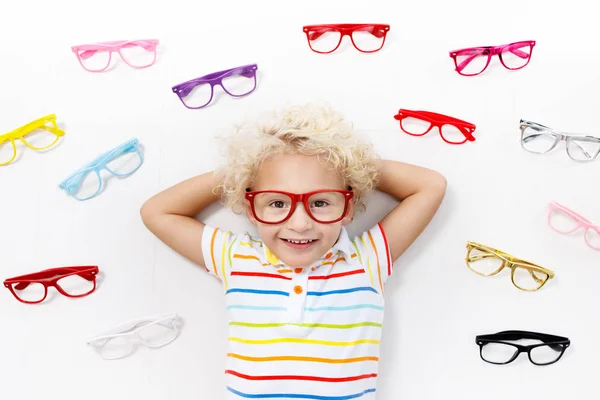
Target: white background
<point>497,193</point>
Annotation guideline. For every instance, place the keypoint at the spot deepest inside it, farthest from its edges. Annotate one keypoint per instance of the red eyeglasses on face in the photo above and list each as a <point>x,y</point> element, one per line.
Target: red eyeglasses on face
<point>69,281</point>
<point>324,206</point>
<point>367,38</point>
<point>452,130</point>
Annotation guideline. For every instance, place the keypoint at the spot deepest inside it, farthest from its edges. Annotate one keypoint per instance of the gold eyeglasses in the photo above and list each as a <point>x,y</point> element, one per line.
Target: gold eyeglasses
<point>487,261</point>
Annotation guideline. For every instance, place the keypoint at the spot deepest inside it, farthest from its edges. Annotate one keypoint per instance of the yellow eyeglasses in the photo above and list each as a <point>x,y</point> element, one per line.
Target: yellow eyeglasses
<point>487,261</point>
<point>41,134</point>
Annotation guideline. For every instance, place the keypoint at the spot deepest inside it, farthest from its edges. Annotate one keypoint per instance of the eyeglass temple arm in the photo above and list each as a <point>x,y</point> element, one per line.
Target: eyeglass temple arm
<point>518,335</point>
<point>86,274</point>
<point>571,213</point>
<point>37,124</point>
<point>514,48</point>
<point>132,325</point>
<point>145,44</point>
<point>479,257</point>
<point>52,129</point>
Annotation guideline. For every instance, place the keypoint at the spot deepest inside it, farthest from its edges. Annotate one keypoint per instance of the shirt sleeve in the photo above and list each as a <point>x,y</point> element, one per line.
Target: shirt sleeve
<point>217,249</point>
<point>373,253</point>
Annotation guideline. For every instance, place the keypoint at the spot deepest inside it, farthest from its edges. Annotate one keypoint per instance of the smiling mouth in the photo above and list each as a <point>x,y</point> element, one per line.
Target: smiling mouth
<point>304,241</point>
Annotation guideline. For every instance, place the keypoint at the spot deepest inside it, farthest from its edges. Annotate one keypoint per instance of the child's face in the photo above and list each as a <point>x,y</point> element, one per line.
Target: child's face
<point>298,174</point>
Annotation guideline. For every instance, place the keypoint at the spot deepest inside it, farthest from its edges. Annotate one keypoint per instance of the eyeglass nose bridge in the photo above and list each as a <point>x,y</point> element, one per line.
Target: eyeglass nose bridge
<point>346,31</point>
<point>300,203</point>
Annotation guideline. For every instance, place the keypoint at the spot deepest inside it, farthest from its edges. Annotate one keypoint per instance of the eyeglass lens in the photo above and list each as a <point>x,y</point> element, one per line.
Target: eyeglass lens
<point>323,207</point>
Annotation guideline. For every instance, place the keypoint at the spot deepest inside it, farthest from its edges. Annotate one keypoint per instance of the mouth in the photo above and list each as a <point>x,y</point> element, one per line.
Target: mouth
<point>299,244</point>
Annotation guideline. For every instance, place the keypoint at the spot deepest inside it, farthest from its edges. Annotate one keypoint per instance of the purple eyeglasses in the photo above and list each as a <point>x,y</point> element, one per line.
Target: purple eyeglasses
<point>474,60</point>
<point>199,92</point>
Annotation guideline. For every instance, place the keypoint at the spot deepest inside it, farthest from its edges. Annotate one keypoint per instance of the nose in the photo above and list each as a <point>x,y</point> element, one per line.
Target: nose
<point>300,221</point>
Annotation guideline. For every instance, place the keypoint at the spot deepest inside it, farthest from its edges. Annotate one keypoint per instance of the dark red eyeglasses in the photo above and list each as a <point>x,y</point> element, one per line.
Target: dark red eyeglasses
<point>69,281</point>
<point>324,206</point>
<point>367,38</point>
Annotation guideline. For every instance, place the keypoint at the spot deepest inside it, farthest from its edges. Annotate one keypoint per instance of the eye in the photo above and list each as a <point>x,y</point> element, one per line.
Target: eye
<point>320,203</point>
<point>277,204</point>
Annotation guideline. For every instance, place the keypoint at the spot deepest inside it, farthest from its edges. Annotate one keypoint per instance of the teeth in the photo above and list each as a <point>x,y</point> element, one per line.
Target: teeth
<point>300,241</point>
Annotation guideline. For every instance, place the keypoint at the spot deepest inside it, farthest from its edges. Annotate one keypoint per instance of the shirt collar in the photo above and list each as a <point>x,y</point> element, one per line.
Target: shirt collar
<point>341,246</point>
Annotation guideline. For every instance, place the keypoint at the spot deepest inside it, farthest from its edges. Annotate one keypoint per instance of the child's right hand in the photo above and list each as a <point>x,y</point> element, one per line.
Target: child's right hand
<point>169,215</point>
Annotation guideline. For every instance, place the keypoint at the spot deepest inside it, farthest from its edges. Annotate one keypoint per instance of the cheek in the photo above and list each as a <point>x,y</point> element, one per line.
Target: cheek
<point>331,232</point>
<point>266,231</point>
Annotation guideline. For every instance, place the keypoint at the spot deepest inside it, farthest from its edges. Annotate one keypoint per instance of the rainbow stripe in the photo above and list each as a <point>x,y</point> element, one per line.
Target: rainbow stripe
<point>299,377</point>
<point>305,359</point>
<point>299,396</point>
<point>304,341</point>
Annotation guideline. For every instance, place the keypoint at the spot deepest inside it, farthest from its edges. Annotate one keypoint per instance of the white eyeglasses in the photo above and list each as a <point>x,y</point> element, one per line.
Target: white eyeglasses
<point>120,341</point>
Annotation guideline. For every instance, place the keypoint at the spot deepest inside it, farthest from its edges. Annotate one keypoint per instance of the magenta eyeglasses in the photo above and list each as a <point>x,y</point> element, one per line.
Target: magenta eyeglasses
<point>564,220</point>
<point>474,60</point>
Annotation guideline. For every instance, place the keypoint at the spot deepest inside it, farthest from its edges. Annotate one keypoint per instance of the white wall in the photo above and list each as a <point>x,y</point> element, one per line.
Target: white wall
<point>497,193</point>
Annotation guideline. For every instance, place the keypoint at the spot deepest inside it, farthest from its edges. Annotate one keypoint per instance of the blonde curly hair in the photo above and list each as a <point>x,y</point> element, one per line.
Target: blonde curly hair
<point>309,130</point>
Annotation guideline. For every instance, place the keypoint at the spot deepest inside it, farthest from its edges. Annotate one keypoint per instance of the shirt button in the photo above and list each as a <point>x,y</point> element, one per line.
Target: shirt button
<point>297,289</point>
<point>298,270</point>
<point>328,255</point>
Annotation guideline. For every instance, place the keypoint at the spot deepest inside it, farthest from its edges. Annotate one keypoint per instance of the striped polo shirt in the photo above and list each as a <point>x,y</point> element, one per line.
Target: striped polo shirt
<point>305,333</point>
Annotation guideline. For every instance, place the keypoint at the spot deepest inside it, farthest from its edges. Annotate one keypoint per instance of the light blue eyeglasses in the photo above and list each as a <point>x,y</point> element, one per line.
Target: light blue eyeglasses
<point>121,161</point>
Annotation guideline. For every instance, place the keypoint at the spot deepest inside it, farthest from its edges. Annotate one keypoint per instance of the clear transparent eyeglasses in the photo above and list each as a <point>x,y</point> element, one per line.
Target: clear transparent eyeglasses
<point>540,139</point>
<point>154,332</point>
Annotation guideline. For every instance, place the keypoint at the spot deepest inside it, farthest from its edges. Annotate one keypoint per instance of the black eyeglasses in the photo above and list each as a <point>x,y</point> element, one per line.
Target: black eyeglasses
<point>496,349</point>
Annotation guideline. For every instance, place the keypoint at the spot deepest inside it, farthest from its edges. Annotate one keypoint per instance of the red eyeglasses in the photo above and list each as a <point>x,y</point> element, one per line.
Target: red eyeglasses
<point>69,281</point>
<point>452,130</point>
<point>324,206</point>
<point>367,38</point>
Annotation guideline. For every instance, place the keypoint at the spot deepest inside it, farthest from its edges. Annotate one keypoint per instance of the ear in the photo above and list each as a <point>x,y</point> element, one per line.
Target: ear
<point>349,214</point>
<point>250,216</point>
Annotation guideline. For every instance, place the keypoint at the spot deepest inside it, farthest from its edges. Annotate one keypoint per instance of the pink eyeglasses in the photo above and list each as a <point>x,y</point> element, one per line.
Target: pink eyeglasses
<point>564,220</point>
<point>136,53</point>
<point>474,60</point>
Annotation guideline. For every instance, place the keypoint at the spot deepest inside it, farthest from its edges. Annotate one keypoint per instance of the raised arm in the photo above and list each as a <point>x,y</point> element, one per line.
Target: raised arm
<point>169,215</point>
<point>420,191</point>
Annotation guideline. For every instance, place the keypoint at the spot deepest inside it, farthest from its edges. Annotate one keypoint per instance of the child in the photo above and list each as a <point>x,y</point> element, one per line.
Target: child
<point>304,301</point>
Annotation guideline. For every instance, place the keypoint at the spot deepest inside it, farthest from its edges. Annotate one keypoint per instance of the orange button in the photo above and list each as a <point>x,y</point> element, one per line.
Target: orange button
<point>298,289</point>
<point>298,270</point>
<point>328,255</point>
